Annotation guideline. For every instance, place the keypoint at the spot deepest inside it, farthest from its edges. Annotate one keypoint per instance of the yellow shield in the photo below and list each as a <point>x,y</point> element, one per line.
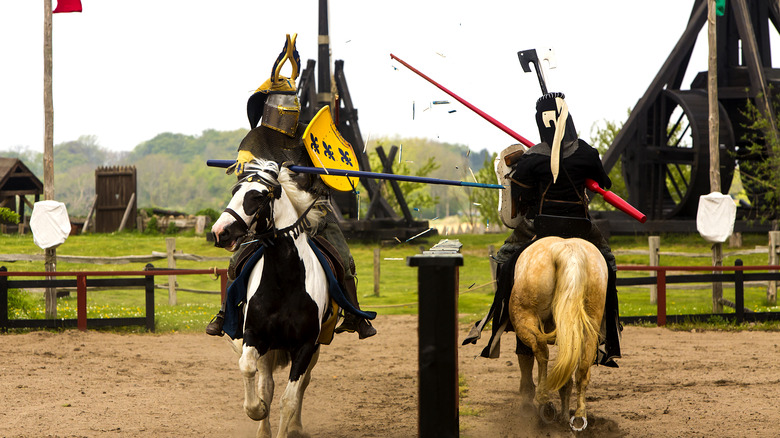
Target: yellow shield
<point>328,149</point>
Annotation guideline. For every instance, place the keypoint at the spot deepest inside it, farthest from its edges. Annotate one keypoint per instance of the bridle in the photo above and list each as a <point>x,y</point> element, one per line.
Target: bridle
<point>295,229</point>
<point>275,192</point>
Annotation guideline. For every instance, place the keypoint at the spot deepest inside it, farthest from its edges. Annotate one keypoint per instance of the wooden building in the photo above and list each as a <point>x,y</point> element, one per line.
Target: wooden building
<point>115,187</point>
<point>17,182</point>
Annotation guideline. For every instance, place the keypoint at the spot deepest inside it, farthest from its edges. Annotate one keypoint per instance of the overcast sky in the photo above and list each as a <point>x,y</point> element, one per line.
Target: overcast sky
<point>127,71</point>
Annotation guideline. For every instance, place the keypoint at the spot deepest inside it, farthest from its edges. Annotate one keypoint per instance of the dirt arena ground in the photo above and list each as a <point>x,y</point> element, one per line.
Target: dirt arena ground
<point>670,384</point>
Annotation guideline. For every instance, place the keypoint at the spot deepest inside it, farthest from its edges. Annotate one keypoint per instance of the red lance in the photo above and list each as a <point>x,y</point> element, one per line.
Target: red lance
<point>592,185</point>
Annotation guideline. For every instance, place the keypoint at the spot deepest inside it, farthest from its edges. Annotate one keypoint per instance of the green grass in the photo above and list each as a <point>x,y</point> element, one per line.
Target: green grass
<point>398,285</point>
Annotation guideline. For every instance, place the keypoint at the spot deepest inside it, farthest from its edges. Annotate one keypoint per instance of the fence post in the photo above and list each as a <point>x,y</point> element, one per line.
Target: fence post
<point>3,300</point>
<point>223,286</point>
<point>654,244</point>
<point>81,302</point>
<point>717,287</point>
<point>170,249</point>
<point>149,298</point>
<point>739,292</point>
<point>376,271</point>
<point>437,283</point>
<point>661,304</point>
<point>774,247</point>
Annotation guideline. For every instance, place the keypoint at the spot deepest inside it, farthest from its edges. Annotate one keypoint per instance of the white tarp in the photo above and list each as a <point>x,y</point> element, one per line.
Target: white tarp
<point>715,217</point>
<point>50,224</point>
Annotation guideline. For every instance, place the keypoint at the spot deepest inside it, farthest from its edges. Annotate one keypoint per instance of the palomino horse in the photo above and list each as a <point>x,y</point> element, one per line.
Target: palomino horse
<point>558,297</point>
<point>286,291</point>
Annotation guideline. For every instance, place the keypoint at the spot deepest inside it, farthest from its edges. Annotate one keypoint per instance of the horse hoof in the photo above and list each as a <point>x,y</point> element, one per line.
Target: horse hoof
<point>578,424</point>
<point>547,412</point>
<point>257,412</point>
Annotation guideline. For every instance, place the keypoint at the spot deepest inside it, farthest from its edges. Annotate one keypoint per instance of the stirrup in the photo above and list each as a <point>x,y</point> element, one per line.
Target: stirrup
<point>353,323</point>
<point>214,328</point>
<point>349,324</point>
<point>365,329</point>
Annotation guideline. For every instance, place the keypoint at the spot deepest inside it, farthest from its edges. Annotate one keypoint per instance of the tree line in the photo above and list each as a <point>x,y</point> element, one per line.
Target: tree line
<point>172,174</point>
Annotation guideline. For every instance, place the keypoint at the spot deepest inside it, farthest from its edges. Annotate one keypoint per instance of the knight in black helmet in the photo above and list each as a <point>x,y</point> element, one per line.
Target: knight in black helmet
<point>275,108</point>
<point>549,186</point>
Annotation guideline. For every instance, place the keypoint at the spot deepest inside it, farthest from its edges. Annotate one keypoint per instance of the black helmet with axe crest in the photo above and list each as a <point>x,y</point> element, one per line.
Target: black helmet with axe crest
<point>556,128</point>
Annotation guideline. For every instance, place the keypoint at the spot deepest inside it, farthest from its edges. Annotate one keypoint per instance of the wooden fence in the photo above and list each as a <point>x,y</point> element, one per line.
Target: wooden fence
<point>81,283</point>
<point>738,278</point>
<point>119,260</point>
<point>170,255</point>
<point>654,254</point>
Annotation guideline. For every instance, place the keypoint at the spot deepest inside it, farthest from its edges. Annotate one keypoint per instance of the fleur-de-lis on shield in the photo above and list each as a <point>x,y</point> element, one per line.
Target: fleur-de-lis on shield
<point>314,145</point>
<point>328,151</point>
<point>345,158</point>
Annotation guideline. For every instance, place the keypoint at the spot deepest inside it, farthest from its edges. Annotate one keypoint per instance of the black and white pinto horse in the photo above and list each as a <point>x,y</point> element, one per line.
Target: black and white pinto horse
<point>286,294</point>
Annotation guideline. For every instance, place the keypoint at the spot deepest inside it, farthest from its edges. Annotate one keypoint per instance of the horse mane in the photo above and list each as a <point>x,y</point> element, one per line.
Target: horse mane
<point>300,199</point>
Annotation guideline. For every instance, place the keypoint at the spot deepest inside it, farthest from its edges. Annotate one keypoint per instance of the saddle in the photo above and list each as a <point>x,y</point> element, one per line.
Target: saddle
<point>328,326</point>
<point>561,226</point>
<point>245,253</point>
<point>332,256</point>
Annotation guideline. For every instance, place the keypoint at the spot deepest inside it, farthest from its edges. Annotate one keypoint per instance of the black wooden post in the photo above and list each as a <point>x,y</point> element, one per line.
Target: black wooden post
<point>739,292</point>
<point>149,298</point>
<point>437,282</point>
<point>388,168</point>
<point>323,57</point>
<point>3,300</point>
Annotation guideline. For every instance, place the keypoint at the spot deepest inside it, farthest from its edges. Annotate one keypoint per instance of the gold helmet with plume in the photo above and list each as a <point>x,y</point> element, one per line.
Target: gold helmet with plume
<point>275,103</point>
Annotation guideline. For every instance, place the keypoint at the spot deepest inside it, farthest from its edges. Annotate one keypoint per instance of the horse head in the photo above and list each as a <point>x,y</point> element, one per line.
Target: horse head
<point>251,205</point>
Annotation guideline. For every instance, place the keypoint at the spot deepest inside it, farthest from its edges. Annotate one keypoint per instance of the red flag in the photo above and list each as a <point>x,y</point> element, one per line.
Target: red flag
<point>67,6</point>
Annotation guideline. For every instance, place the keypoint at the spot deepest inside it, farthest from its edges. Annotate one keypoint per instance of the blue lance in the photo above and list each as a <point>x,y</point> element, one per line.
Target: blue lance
<point>376,175</point>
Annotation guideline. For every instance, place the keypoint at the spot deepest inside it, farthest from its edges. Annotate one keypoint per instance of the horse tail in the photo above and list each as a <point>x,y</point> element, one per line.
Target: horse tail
<point>573,326</point>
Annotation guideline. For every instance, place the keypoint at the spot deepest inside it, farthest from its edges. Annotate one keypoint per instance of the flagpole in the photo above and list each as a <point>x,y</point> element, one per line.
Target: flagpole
<point>50,258</point>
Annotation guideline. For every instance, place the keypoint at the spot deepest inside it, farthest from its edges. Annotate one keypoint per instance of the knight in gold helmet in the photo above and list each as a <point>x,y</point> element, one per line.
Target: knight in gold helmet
<point>273,111</point>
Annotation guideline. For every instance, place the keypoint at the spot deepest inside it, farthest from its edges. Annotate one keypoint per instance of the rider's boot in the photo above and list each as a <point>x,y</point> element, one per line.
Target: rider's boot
<point>353,323</point>
<point>610,350</point>
<point>215,325</point>
<point>218,321</point>
<point>214,328</point>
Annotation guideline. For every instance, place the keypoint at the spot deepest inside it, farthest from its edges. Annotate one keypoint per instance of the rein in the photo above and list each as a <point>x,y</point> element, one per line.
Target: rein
<point>238,218</point>
<point>274,233</point>
<point>273,194</point>
<point>246,226</point>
